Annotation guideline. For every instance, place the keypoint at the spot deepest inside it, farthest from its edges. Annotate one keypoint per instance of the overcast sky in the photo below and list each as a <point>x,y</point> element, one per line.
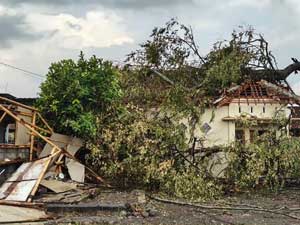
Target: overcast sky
<point>35,33</point>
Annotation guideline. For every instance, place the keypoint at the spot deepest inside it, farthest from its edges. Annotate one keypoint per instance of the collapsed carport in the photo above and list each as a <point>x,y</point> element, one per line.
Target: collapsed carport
<point>33,156</point>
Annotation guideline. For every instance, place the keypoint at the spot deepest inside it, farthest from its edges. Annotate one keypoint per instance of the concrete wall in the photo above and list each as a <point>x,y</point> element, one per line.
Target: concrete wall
<point>223,132</point>
<point>270,109</point>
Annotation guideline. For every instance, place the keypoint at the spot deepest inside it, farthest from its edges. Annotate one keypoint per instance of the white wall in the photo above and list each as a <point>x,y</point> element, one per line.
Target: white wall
<point>270,109</point>
<point>223,132</point>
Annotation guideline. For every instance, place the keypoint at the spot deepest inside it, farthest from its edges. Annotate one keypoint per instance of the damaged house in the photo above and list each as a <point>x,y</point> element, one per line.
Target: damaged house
<point>243,112</point>
<point>259,103</point>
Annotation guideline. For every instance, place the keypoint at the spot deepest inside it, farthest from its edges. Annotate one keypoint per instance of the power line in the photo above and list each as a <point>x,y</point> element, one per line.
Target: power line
<point>23,70</point>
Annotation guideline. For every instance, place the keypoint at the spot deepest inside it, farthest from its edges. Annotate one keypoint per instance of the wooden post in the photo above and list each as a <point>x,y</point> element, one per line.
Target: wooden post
<point>32,136</point>
<point>53,153</point>
<point>2,117</point>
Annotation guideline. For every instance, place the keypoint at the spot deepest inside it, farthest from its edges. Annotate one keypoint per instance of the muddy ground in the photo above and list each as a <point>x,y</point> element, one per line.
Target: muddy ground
<point>155,212</point>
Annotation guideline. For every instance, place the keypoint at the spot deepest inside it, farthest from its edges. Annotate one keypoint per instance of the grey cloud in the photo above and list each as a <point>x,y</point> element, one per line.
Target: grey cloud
<point>126,4</point>
<point>13,28</point>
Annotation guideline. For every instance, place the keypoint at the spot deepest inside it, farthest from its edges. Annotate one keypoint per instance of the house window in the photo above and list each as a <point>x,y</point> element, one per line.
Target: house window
<point>264,109</point>
<point>252,136</point>
<point>240,136</point>
<point>295,132</point>
<point>251,109</point>
<point>240,109</point>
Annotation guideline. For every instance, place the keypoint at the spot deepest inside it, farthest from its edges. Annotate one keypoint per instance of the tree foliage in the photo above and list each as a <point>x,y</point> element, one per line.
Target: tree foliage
<point>132,117</point>
<point>266,163</point>
<point>76,95</point>
<point>172,50</point>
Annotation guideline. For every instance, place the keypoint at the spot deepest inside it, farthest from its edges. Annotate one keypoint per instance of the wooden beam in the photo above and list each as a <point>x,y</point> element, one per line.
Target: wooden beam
<point>37,127</point>
<point>54,152</point>
<point>45,122</point>
<point>23,113</point>
<point>2,117</point>
<point>18,103</point>
<point>32,137</point>
<point>13,146</point>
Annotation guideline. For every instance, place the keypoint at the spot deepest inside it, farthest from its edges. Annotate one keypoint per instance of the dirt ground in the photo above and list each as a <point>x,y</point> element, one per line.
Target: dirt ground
<point>155,212</point>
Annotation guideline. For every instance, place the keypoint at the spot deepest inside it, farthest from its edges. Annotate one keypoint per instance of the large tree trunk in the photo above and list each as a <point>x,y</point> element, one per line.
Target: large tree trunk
<point>270,74</point>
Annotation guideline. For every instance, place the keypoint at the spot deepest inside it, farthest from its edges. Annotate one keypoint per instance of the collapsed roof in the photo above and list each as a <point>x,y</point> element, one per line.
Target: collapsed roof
<point>258,91</point>
<point>59,151</point>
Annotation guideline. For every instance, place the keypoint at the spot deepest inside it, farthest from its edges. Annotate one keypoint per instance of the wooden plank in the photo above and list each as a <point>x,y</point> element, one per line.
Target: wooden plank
<point>17,103</point>
<point>2,117</point>
<point>45,122</point>
<point>12,146</point>
<point>34,190</point>
<point>32,138</point>
<point>58,186</point>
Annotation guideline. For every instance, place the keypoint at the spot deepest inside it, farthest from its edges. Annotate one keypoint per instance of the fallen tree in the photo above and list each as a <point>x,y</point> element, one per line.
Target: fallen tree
<point>132,115</point>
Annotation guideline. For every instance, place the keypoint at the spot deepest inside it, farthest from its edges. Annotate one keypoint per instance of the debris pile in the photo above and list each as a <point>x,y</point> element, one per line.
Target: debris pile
<point>51,169</point>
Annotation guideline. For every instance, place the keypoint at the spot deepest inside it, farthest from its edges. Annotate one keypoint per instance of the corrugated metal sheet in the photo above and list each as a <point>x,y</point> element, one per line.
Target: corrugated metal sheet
<point>19,186</point>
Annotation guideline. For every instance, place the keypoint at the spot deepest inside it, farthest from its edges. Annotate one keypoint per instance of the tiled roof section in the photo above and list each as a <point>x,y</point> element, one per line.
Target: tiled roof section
<point>255,92</point>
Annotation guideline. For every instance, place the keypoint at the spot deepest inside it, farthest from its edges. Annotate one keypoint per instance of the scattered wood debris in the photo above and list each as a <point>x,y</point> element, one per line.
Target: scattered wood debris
<point>51,169</point>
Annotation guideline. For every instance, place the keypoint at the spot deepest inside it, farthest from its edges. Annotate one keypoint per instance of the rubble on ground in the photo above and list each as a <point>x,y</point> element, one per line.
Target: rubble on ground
<point>51,174</point>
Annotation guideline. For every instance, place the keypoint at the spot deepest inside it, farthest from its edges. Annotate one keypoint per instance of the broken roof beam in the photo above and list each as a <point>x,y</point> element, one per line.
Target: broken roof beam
<point>287,93</point>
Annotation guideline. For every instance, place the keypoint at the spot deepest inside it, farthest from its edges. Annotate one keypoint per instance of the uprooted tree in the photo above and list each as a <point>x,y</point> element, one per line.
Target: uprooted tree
<point>137,137</point>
